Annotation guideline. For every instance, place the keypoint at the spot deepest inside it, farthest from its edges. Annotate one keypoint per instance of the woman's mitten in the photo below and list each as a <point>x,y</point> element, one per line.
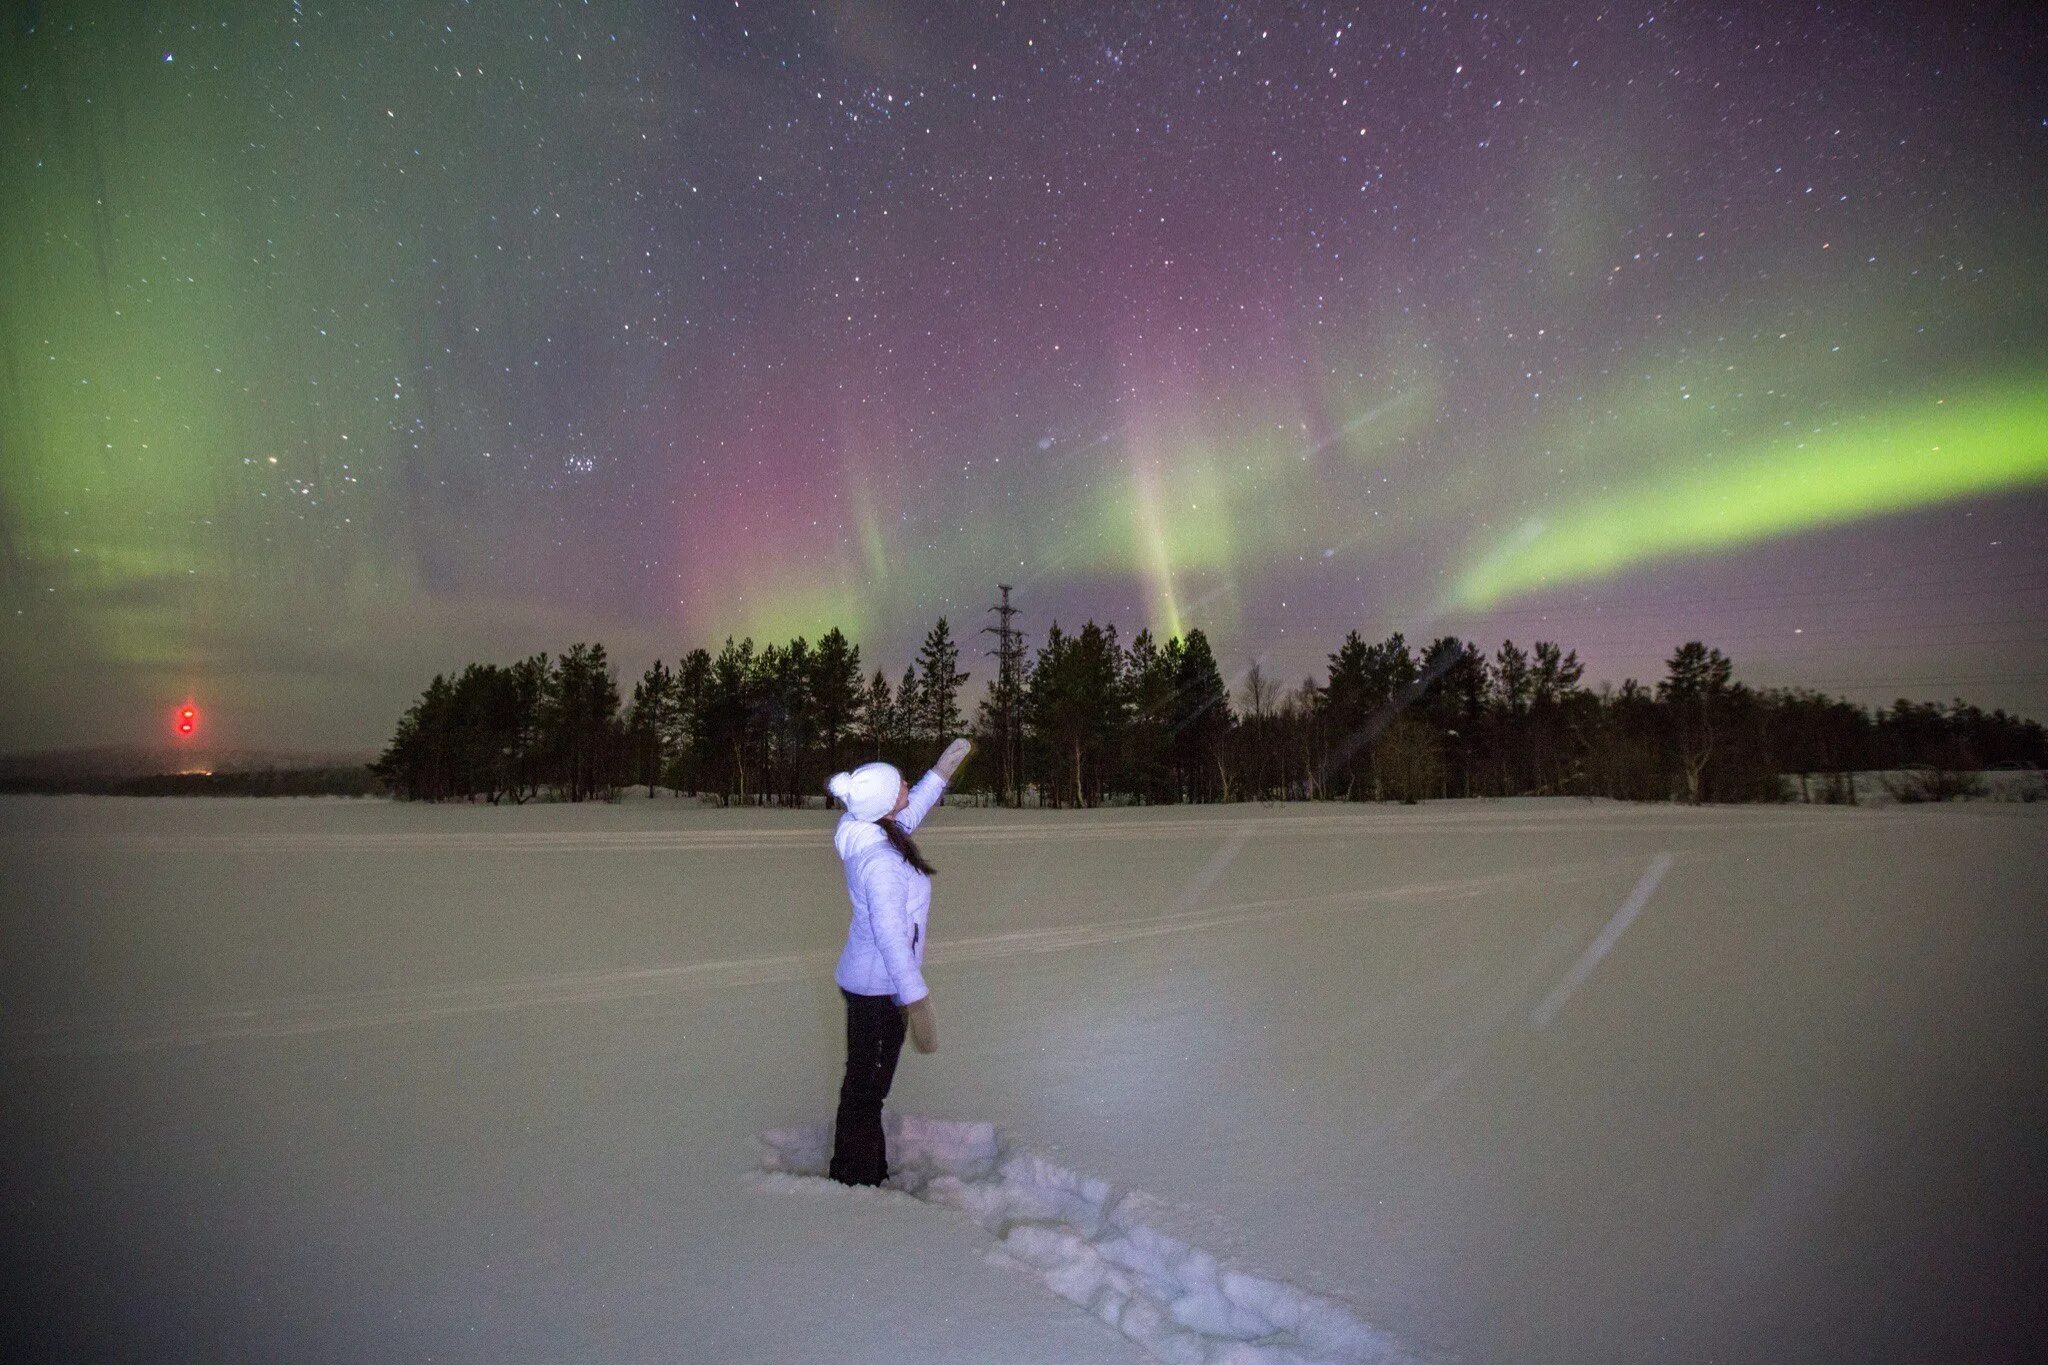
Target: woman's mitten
<point>950,761</point>
<point>924,1028</point>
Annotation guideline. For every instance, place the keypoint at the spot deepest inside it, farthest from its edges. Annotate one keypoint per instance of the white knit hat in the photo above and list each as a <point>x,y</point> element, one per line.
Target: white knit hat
<point>869,792</point>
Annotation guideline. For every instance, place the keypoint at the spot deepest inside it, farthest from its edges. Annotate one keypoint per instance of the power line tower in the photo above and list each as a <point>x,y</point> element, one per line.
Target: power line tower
<point>1007,697</point>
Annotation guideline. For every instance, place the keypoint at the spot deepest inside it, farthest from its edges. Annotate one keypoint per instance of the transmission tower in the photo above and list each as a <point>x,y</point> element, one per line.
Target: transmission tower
<point>1009,696</point>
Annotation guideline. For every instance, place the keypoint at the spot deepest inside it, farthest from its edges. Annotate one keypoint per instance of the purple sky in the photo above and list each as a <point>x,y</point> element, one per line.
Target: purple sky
<point>346,346</point>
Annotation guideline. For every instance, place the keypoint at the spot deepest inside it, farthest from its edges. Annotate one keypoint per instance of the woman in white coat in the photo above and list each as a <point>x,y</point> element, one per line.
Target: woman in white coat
<point>881,970</point>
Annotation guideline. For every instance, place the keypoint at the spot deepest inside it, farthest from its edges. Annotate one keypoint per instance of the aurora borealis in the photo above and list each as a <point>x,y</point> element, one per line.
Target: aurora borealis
<point>341,345</point>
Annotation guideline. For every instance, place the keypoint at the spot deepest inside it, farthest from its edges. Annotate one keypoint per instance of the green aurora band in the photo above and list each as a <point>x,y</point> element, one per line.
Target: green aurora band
<point>1990,439</point>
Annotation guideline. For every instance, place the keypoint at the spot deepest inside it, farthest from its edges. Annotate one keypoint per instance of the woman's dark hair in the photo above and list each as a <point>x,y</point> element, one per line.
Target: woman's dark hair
<point>899,839</point>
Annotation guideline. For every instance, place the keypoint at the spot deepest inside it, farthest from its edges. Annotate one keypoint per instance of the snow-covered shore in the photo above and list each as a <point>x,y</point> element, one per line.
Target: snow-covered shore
<point>350,1080</point>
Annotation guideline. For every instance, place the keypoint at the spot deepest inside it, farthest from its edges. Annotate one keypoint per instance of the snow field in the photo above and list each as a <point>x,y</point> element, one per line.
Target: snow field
<point>104,1031</point>
<point>342,1081</point>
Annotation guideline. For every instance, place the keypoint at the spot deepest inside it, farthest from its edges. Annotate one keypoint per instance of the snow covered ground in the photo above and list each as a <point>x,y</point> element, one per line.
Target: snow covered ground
<point>1525,1080</point>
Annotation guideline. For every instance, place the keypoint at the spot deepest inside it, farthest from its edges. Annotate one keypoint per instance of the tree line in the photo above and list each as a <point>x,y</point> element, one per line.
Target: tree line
<point>1095,721</point>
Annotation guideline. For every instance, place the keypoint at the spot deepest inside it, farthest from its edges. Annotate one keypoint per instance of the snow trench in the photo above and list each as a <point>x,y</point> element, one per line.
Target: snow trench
<point>1095,1246</point>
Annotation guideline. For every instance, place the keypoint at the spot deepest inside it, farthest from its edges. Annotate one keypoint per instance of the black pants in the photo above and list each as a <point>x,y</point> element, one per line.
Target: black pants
<point>874,1039</point>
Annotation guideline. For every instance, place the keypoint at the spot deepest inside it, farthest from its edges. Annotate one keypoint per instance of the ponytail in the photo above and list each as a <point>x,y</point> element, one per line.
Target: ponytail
<point>899,839</point>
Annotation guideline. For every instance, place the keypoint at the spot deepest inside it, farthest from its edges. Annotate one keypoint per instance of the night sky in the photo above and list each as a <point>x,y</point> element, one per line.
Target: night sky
<point>344,344</point>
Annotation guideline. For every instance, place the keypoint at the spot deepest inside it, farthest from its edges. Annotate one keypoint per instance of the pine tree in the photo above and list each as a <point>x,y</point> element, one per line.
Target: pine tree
<point>686,721</point>
<point>1076,708</point>
<point>938,687</point>
<point>526,706</point>
<point>1045,713</point>
<point>1553,694</point>
<point>835,692</point>
<point>1555,675</point>
<point>1390,671</point>
<point>908,714</point>
<point>725,721</point>
<point>582,709</point>
<point>1511,701</point>
<point>1147,678</point>
<point>1201,721</point>
<point>1345,704</point>
<point>1695,690</point>
<point>650,723</point>
<point>1453,703</point>
<point>1256,740</point>
<point>1512,676</point>
<point>783,720</point>
<point>877,717</point>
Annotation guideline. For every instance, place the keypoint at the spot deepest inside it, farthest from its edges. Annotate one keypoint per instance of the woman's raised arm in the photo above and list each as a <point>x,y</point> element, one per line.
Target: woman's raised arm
<point>932,785</point>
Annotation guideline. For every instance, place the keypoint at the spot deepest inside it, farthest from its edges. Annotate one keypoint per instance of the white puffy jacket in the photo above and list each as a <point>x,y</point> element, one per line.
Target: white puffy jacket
<point>892,901</point>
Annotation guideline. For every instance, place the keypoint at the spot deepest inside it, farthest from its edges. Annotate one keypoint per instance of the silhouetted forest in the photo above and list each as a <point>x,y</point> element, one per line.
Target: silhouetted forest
<point>1089,721</point>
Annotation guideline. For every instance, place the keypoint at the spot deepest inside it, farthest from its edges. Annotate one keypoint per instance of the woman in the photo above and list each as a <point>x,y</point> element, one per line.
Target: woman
<point>879,972</point>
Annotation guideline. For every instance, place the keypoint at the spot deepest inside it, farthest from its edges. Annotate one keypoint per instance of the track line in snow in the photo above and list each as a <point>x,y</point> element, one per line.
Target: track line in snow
<point>1482,1031</point>
<point>1100,1248</point>
<point>1546,1012</point>
<point>1060,938</point>
<point>1369,824</point>
<point>341,1011</point>
<point>1478,1036</point>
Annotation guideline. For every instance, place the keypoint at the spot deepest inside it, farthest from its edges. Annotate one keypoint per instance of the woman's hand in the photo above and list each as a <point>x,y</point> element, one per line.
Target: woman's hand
<point>924,1027</point>
<point>950,761</point>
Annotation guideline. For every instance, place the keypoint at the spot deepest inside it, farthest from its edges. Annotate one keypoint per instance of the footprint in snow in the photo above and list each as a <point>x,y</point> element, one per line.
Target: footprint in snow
<point>1093,1245</point>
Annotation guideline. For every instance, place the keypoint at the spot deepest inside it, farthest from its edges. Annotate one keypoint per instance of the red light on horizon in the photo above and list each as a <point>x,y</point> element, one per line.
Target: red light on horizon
<point>188,719</point>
